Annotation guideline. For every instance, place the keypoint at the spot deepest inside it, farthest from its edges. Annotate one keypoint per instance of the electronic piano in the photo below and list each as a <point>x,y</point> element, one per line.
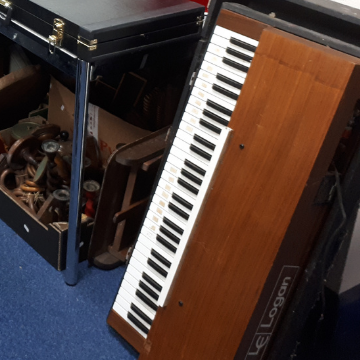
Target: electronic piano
<point>233,217</point>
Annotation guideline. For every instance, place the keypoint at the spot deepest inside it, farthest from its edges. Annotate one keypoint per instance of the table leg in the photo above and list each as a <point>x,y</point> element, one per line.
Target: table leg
<point>79,143</point>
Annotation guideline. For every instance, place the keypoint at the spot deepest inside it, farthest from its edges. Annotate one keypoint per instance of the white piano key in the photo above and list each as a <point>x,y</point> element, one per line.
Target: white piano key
<point>147,253</point>
<point>141,268</point>
<point>215,70</point>
<point>182,165</point>
<point>217,60</point>
<point>127,307</point>
<point>192,130</point>
<point>165,205</point>
<point>186,147</point>
<point>227,34</point>
<point>206,86</point>
<point>143,259</point>
<point>170,246</point>
<point>189,139</point>
<point>137,275</point>
<point>211,78</point>
<point>161,192</point>
<point>204,96</point>
<point>212,129</point>
<point>163,213</point>
<point>157,248</point>
<point>183,156</point>
<point>123,314</point>
<point>225,43</point>
<point>219,51</point>
<point>132,292</point>
<point>163,184</point>
<point>173,181</point>
<point>149,234</point>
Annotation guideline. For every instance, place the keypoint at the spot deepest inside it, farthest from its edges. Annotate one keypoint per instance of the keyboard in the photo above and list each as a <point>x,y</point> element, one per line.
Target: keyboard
<point>186,179</point>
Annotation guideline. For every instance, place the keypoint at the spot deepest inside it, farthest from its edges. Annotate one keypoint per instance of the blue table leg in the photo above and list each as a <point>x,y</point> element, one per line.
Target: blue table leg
<point>79,143</point>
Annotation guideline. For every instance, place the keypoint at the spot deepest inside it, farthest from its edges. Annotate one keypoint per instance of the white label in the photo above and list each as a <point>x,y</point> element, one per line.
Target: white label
<point>26,228</point>
<point>93,121</point>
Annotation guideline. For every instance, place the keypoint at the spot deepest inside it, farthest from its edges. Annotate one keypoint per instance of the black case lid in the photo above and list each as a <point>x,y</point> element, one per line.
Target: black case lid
<point>108,20</point>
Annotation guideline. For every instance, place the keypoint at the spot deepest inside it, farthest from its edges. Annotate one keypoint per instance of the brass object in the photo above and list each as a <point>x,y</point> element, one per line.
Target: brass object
<point>90,44</point>
<point>56,38</point>
<point>23,151</point>
<point>28,188</point>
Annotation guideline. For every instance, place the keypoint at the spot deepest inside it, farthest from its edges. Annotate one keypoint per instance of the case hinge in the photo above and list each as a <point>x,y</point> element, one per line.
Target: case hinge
<point>55,40</point>
<point>90,44</point>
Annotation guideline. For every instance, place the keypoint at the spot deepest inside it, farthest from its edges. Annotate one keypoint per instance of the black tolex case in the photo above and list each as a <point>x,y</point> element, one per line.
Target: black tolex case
<point>63,31</point>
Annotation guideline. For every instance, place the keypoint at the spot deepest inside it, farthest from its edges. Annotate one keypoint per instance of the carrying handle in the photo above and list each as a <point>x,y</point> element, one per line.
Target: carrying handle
<point>5,17</point>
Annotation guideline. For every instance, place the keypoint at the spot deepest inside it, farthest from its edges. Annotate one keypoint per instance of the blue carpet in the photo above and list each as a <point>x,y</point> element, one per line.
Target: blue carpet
<point>43,318</point>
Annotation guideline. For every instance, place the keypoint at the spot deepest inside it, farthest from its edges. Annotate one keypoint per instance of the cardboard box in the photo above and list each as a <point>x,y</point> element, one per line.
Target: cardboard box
<point>108,129</point>
<point>50,241</point>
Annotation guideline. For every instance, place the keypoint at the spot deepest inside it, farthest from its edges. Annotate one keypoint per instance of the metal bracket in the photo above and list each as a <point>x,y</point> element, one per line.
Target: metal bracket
<point>200,20</point>
<point>55,40</point>
<point>5,17</point>
<point>90,44</point>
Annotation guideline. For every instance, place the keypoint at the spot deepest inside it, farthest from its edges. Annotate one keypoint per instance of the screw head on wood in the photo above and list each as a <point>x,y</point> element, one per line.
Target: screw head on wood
<point>242,146</point>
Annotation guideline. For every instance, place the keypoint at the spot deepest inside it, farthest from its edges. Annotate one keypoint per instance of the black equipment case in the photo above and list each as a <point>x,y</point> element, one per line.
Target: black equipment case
<point>64,31</point>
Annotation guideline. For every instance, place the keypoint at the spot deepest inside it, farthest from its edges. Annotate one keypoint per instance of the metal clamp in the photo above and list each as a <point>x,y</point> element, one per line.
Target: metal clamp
<point>57,36</point>
<point>5,17</point>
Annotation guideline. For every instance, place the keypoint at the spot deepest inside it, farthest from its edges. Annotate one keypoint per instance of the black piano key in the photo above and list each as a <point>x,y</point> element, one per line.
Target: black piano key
<point>219,108</point>
<point>182,201</point>
<point>180,212</point>
<point>160,258</point>
<point>146,300</point>
<point>173,226</point>
<point>204,142</point>
<point>187,186</point>
<point>151,281</point>
<point>239,54</point>
<point>242,44</point>
<point>150,292</point>
<point>200,152</point>
<point>139,313</point>
<point>194,167</point>
<point>235,65</point>
<point>165,243</point>
<point>225,92</point>
<point>209,126</point>
<point>157,268</point>
<point>138,323</point>
<point>191,177</point>
<point>169,234</point>
<point>230,82</point>
<point>215,117</point>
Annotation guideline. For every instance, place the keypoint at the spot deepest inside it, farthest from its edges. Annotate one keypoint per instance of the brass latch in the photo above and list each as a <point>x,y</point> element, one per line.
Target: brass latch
<point>90,44</point>
<point>55,40</point>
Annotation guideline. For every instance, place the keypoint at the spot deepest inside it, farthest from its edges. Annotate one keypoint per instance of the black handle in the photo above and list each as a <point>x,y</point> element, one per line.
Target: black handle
<point>5,17</point>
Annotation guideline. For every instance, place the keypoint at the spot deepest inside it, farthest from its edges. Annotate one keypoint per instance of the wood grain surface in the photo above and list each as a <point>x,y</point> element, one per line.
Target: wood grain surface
<point>295,103</point>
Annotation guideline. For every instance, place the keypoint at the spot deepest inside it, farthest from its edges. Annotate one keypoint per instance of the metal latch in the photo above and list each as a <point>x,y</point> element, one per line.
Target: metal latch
<point>55,40</point>
<point>5,17</point>
<point>199,20</point>
<point>90,44</point>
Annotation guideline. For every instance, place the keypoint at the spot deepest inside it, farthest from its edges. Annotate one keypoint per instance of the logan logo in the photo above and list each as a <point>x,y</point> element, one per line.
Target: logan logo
<point>272,313</point>
<point>270,318</point>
